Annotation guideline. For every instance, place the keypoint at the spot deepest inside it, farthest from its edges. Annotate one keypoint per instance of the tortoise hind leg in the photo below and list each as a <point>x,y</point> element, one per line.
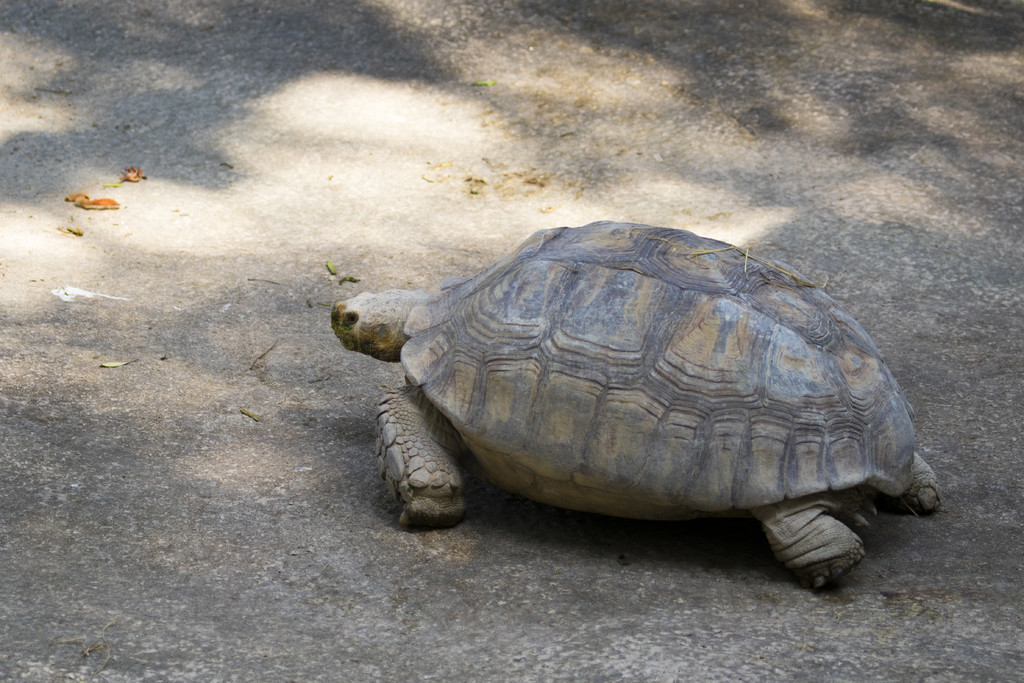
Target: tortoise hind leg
<point>417,451</point>
<point>921,497</point>
<point>805,537</point>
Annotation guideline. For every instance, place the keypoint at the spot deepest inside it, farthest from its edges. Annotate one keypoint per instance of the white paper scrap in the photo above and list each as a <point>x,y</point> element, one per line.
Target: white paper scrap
<point>72,293</point>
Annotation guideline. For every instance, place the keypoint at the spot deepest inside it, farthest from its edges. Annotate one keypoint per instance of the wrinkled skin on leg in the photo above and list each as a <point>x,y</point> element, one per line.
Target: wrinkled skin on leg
<point>807,538</point>
<point>417,454</point>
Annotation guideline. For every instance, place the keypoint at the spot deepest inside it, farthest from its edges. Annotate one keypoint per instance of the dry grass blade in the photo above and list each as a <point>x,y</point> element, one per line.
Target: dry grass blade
<point>748,256</point>
<point>909,506</point>
<point>262,355</point>
<point>101,645</point>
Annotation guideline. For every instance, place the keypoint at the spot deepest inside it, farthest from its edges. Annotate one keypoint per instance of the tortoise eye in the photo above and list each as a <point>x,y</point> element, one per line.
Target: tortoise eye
<point>350,318</point>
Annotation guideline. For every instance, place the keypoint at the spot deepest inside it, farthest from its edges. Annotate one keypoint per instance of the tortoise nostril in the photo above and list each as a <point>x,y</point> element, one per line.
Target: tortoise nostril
<point>343,319</point>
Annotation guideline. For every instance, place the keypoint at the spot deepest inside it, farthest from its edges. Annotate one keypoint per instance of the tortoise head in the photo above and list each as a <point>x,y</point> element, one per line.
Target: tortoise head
<point>373,322</point>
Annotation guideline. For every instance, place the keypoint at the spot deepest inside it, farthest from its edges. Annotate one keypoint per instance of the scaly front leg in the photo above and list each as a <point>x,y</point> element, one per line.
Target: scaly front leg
<point>417,453</point>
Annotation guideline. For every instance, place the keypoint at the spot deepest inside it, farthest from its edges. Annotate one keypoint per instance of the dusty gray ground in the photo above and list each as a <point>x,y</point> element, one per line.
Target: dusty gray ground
<point>148,523</point>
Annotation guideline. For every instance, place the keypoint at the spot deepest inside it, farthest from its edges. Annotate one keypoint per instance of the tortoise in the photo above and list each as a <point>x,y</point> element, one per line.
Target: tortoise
<point>647,373</point>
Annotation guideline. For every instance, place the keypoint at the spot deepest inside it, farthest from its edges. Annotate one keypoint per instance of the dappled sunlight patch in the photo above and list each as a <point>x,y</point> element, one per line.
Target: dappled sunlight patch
<point>335,157</point>
<point>330,125</point>
<point>165,216</point>
<point>158,221</point>
<point>368,157</point>
<point>34,248</point>
<point>666,200</point>
<point>881,196</point>
<point>27,103</point>
<point>976,118</point>
<point>742,226</point>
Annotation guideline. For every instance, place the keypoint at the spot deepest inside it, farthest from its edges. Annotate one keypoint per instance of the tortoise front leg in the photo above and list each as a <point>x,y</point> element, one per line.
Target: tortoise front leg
<point>809,540</point>
<point>417,450</point>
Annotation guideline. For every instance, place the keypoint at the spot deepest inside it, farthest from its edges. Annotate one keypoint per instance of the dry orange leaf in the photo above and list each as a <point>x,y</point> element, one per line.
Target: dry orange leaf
<point>82,199</point>
<point>132,174</point>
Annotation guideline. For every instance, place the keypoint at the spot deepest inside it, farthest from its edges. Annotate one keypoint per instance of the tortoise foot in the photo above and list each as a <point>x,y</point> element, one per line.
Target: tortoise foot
<point>816,546</point>
<point>435,512</point>
<point>921,497</point>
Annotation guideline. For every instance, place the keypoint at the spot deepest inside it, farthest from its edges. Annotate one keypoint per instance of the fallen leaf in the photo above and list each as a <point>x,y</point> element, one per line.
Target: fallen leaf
<point>348,278</point>
<point>485,83</point>
<point>331,269</point>
<point>132,174</point>
<point>82,199</point>
<point>117,363</point>
<point>71,230</point>
<point>113,184</point>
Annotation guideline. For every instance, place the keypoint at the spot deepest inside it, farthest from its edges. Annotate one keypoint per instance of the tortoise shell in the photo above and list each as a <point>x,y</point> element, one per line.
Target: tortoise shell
<point>652,373</point>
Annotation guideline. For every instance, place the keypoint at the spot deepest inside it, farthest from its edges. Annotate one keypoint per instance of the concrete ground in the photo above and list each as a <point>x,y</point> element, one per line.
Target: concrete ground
<point>151,530</point>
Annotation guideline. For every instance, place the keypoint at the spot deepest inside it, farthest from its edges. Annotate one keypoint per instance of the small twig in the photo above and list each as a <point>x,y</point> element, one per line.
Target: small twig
<point>245,412</point>
<point>259,279</point>
<point>260,357</point>
<point>907,505</point>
